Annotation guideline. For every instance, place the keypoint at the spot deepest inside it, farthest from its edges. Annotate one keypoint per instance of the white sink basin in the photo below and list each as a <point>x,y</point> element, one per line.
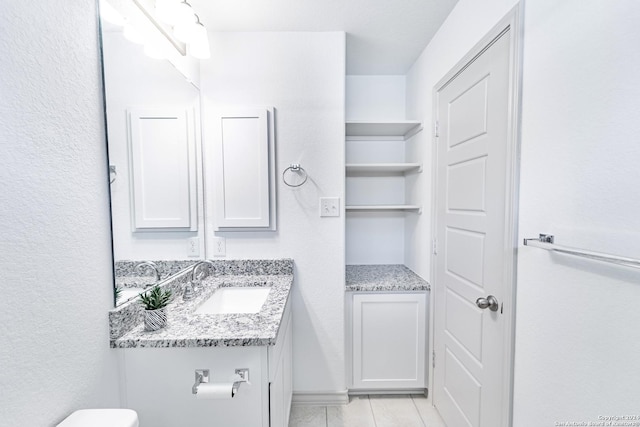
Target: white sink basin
<point>234,300</point>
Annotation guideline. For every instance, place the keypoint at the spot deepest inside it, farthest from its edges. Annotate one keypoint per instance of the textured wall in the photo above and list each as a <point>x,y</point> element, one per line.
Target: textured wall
<point>577,321</point>
<point>55,265</point>
<point>303,76</point>
<point>576,336</point>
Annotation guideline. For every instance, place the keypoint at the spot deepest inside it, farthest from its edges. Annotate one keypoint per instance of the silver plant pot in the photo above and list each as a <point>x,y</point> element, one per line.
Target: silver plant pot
<point>155,319</point>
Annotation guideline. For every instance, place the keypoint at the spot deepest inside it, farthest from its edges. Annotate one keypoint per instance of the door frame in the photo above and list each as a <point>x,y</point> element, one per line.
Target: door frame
<point>513,22</point>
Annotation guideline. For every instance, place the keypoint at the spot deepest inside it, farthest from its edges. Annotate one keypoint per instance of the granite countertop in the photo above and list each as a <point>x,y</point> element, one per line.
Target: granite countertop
<point>135,281</point>
<point>187,329</point>
<point>388,277</point>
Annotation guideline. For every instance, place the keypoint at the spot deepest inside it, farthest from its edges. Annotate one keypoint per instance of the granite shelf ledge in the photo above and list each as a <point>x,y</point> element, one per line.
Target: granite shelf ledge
<point>383,278</point>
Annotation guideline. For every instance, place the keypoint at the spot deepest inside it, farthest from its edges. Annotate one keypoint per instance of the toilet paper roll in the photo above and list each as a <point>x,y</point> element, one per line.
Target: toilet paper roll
<point>215,391</point>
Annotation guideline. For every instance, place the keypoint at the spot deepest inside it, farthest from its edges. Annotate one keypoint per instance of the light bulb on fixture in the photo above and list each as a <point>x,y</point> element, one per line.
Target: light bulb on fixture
<point>183,14</point>
<point>167,10</point>
<point>185,30</point>
<point>199,46</point>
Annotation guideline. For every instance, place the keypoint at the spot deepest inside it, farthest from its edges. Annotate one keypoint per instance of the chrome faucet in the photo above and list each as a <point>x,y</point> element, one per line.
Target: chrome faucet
<point>194,277</point>
<point>192,285</point>
<point>148,265</point>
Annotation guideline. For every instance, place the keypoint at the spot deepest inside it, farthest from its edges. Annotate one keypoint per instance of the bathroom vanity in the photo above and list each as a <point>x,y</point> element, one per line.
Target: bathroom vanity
<point>158,368</point>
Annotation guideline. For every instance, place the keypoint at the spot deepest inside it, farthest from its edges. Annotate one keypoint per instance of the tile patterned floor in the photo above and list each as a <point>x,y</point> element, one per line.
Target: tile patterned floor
<point>370,411</point>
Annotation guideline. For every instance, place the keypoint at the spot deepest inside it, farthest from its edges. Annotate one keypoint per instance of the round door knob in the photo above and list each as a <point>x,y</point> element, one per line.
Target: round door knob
<point>489,302</point>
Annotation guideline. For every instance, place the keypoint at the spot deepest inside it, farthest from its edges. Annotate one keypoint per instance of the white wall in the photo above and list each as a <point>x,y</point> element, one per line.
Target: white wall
<point>302,75</point>
<point>575,339</point>
<point>375,97</point>
<point>55,267</point>
<point>133,79</point>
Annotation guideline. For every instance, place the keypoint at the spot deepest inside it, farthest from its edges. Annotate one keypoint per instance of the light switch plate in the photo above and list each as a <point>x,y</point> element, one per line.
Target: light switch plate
<point>329,206</point>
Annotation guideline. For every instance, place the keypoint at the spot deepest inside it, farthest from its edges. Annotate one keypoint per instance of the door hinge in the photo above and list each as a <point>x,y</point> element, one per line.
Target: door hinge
<point>436,127</point>
<point>433,359</point>
<point>435,247</point>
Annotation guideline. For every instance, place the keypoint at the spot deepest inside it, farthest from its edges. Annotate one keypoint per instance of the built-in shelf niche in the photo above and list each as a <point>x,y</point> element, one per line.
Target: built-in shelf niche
<point>377,202</point>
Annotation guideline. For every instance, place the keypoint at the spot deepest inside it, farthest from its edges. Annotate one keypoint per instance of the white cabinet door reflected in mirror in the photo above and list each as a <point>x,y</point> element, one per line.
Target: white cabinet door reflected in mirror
<point>162,169</point>
<point>243,170</point>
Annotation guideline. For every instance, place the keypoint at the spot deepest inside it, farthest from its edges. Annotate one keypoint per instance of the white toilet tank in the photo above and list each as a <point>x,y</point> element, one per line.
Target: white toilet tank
<point>101,418</point>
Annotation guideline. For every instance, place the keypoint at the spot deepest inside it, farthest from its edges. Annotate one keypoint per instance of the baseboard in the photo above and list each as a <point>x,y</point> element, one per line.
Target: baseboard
<point>360,392</point>
<point>320,398</point>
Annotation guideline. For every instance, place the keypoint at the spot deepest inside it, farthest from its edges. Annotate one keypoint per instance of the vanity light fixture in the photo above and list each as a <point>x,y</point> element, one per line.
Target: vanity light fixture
<point>186,25</point>
<point>170,22</point>
<point>184,14</point>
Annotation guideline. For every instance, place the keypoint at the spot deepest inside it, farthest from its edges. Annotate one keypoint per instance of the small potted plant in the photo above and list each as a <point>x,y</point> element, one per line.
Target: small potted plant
<point>155,302</point>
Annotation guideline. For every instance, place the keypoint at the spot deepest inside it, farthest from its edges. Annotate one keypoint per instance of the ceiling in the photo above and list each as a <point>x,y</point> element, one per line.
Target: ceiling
<point>383,36</point>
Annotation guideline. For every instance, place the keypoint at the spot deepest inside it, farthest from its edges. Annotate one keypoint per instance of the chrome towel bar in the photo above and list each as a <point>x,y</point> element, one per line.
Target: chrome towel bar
<point>545,241</point>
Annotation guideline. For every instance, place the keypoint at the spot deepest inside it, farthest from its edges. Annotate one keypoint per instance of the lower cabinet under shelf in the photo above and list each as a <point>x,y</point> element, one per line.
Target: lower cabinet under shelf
<point>388,341</point>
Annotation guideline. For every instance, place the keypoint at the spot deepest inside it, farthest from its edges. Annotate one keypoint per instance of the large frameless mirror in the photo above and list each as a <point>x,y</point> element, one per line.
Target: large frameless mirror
<point>152,105</point>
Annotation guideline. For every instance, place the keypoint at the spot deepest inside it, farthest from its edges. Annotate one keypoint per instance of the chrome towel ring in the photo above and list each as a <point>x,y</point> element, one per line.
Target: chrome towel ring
<point>295,167</point>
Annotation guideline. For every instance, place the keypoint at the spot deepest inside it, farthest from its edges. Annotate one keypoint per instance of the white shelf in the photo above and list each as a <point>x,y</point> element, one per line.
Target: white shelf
<point>383,167</point>
<point>383,208</point>
<point>402,128</point>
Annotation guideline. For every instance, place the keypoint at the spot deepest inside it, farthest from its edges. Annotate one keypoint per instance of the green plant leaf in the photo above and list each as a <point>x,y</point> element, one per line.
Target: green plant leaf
<point>155,298</point>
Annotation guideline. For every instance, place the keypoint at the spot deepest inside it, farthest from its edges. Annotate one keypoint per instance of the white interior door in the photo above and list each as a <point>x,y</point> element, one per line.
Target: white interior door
<point>472,230</point>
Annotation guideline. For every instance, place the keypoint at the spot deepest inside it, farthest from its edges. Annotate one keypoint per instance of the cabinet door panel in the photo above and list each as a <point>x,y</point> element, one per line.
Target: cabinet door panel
<point>287,373</point>
<point>280,373</point>
<point>159,380</point>
<point>162,169</point>
<point>389,341</point>
<point>276,397</point>
<point>244,169</point>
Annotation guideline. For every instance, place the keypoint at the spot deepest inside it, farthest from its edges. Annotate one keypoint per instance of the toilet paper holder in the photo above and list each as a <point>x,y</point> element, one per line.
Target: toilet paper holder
<point>202,377</point>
